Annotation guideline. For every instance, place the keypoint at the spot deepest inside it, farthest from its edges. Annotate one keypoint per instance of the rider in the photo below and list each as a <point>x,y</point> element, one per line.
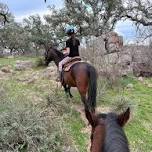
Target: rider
<point>72,46</point>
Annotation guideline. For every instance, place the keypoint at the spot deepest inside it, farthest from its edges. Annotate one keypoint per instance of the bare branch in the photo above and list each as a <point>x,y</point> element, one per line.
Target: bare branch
<point>141,21</point>
<point>5,18</point>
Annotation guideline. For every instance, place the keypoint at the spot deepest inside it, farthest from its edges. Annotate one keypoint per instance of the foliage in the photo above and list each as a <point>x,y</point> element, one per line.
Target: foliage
<point>27,127</point>
<point>90,17</point>
<point>4,14</point>
<point>39,62</point>
<point>41,34</point>
<point>14,37</point>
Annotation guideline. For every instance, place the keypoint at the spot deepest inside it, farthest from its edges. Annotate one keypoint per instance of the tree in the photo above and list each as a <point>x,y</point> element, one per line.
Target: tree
<point>41,34</point>
<point>13,37</point>
<point>92,17</point>
<point>4,14</point>
<point>140,12</point>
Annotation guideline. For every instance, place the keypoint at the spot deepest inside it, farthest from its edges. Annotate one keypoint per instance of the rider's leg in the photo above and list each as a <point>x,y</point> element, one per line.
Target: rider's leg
<point>61,63</point>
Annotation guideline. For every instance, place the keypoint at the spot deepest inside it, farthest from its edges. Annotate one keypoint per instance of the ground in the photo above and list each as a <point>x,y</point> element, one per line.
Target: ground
<point>49,116</point>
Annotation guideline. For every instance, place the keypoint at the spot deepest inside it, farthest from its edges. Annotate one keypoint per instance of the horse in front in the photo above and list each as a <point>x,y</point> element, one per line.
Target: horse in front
<point>80,74</point>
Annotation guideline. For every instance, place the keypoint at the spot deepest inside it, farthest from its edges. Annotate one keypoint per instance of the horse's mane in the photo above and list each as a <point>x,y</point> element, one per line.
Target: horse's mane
<point>58,52</point>
<point>115,139</point>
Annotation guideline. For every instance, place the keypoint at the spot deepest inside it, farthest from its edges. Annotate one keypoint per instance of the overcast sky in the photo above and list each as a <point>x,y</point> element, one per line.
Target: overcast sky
<point>23,8</point>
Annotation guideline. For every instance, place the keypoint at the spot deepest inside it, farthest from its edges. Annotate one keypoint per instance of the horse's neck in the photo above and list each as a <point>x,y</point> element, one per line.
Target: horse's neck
<point>59,57</point>
<point>56,61</point>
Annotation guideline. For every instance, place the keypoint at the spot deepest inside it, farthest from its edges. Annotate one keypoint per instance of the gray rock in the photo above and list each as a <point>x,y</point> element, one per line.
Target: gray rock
<point>130,86</point>
<point>7,69</point>
<point>23,65</point>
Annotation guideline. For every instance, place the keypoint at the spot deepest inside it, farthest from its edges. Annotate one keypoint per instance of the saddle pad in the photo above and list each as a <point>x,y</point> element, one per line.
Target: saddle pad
<point>73,59</point>
<point>68,66</point>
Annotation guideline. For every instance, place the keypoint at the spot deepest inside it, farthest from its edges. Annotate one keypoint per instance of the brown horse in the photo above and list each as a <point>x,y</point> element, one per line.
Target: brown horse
<point>107,134</point>
<point>81,75</point>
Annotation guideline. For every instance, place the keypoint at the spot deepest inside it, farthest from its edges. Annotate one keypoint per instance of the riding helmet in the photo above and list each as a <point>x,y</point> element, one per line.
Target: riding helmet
<point>70,30</point>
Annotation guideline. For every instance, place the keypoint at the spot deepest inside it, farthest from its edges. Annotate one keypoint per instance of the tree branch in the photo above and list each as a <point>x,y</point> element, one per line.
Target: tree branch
<point>141,21</point>
<point>4,17</point>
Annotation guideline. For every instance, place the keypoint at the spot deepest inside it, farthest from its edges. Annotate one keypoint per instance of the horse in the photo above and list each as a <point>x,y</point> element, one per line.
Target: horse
<point>81,75</point>
<point>107,134</point>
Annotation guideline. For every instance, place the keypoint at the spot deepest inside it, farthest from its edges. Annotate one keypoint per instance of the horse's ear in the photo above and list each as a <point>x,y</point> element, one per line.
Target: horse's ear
<point>91,117</point>
<point>124,117</point>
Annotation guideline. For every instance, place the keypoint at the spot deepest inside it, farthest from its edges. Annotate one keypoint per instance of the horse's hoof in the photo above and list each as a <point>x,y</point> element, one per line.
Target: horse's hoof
<point>71,96</point>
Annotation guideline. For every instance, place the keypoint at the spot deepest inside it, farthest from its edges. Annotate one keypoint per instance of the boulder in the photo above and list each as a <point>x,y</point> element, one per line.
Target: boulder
<point>141,79</point>
<point>113,42</point>
<point>23,65</point>
<point>130,86</point>
<point>7,69</point>
<point>2,74</point>
<point>149,85</point>
<point>142,69</point>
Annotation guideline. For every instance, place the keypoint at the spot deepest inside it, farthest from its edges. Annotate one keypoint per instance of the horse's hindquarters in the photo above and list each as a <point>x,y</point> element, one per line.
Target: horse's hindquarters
<point>68,79</point>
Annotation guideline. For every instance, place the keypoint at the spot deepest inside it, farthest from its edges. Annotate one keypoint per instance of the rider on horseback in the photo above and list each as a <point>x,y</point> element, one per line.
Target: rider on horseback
<point>72,46</point>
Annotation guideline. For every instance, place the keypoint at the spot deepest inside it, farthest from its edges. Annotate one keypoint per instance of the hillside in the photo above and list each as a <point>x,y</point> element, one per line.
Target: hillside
<point>37,116</point>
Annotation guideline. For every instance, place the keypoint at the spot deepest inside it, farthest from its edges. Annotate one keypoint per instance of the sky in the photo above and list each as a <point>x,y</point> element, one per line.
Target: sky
<point>23,8</point>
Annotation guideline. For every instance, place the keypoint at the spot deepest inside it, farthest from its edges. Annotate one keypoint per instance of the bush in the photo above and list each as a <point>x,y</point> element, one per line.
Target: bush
<point>121,103</point>
<point>39,62</point>
<point>28,127</point>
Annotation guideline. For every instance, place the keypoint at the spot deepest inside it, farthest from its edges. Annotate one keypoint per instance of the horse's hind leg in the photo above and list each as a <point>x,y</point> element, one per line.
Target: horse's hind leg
<point>67,91</point>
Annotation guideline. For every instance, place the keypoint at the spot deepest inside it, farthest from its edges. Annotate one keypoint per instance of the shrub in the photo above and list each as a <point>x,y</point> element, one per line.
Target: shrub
<point>39,62</point>
<point>36,128</point>
<point>121,103</point>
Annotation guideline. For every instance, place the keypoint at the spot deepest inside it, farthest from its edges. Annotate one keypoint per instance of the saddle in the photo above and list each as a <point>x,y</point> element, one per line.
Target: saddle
<point>67,66</point>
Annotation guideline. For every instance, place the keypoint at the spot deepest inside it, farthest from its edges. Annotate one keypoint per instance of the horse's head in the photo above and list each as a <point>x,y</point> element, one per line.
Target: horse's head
<point>53,55</point>
<point>99,125</point>
<point>49,56</point>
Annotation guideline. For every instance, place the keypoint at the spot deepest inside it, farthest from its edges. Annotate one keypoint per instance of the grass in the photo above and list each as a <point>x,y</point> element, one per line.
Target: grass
<point>139,129</point>
<point>12,61</point>
<point>43,96</point>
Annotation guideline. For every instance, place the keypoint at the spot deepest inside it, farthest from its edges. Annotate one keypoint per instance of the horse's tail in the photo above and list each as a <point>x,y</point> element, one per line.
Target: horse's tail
<point>92,89</point>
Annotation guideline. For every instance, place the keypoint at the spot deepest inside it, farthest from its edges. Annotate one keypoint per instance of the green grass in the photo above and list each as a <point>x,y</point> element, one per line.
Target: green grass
<point>76,124</point>
<point>12,61</point>
<point>138,130</point>
<point>18,95</point>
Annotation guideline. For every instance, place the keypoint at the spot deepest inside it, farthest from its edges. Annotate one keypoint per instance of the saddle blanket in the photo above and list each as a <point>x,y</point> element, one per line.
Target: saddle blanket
<point>67,66</point>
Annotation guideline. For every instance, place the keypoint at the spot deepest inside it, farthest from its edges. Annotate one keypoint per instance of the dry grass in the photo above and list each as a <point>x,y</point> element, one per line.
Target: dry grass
<point>28,127</point>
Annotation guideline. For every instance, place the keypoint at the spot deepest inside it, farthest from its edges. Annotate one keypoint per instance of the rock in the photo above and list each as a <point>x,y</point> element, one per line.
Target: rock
<point>141,79</point>
<point>4,76</point>
<point>142,69</point>
<point>23,65</point>
<point>149,85</point>
<point>6,69</point>
<point>113,42</point>
<point>1,74</point>
<point>130,86</point>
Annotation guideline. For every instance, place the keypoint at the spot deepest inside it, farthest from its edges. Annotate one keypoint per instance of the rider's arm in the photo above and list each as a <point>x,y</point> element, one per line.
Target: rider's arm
<point>66,51</point>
